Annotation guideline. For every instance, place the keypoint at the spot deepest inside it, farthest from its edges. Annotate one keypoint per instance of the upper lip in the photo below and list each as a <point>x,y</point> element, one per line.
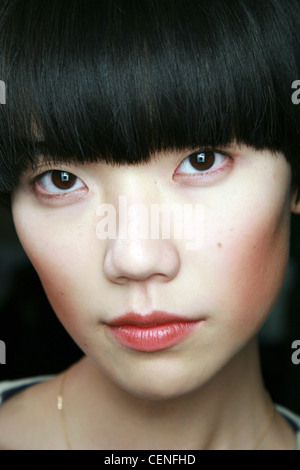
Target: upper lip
<point>154,318</point>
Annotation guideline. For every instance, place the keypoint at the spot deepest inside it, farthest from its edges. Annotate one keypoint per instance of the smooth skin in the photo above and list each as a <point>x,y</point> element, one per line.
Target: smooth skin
<point>206,392</point>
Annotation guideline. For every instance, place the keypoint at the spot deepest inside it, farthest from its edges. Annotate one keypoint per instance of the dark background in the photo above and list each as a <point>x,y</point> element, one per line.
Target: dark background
<point>37,344</point>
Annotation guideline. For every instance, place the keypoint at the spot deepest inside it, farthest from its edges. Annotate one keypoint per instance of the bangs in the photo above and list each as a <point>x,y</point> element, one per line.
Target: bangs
<point>116,81</point>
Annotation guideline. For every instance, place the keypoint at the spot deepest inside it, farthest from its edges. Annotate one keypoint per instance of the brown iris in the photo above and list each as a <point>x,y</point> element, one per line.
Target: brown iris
<point>63,179</point>
<point>202,160</point>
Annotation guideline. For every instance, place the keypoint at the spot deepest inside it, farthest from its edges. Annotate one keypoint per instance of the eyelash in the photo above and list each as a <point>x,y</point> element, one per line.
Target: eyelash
<point>40,181</point>
<point>201,158</point>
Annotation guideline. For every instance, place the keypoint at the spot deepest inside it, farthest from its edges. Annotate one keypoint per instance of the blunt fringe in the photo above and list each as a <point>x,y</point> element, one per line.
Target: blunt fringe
<point>116,80</point>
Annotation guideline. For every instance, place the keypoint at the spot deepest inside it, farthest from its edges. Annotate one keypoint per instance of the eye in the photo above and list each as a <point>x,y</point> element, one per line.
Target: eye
<point>207,161</point>
<point>58,182</point>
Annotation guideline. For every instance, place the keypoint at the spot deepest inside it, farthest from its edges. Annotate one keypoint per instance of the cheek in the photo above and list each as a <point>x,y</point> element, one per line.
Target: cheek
<point>61,259</point>
<point>252,260</point>
<point>65,279</point>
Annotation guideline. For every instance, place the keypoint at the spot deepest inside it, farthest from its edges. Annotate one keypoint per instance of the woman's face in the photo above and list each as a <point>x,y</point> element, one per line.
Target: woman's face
<point>222,285</point>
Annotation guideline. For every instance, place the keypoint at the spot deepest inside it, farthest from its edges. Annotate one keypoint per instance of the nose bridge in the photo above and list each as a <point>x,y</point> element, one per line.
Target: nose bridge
<point>132,203</point>
<point>134,185</point>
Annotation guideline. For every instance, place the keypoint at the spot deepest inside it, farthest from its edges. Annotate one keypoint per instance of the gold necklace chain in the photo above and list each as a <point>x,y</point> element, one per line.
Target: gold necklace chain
<point>60,407</point>
<point>260,439</point>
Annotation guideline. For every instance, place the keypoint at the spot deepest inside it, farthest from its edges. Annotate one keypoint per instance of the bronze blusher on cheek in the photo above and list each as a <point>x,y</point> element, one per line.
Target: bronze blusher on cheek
<point>254,267</point>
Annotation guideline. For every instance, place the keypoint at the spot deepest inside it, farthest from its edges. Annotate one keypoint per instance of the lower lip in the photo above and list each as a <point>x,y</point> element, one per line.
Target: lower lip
<point>153,338</point>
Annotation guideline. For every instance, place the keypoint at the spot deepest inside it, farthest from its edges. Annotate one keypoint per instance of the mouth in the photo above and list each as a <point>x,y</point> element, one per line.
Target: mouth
<point>154,332</point>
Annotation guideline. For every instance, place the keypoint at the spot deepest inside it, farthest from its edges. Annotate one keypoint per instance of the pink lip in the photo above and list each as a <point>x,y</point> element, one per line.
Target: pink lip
<point>156,331</point>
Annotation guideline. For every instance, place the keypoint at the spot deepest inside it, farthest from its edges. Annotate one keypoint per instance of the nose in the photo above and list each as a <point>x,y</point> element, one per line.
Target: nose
<point>137,259</point>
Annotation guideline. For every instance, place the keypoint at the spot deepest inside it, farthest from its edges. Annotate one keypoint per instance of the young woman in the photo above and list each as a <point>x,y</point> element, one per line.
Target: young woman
<point>114,109</point>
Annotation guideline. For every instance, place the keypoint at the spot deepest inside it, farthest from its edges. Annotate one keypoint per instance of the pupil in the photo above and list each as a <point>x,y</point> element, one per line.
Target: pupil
<point>62,179</point>
<point>202,161</point>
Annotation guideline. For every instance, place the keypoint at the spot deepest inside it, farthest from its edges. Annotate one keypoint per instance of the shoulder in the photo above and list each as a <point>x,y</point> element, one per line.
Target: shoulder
<point>27,413</point>
<point>293,419</point>
<point>9,388</point>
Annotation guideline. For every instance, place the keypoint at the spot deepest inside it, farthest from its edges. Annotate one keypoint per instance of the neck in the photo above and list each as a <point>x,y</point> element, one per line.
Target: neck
<point>228,412</point>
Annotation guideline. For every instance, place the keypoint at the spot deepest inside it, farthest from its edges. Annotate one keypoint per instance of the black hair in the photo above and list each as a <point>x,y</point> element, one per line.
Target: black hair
<point>116,80</point>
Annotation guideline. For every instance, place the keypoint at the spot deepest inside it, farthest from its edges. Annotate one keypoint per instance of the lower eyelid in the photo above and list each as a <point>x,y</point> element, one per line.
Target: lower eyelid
<point>58,199</point>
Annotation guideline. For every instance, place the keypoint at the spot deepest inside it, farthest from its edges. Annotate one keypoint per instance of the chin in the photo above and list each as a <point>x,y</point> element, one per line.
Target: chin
<point>157,393</point>
<point>159,387</point>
